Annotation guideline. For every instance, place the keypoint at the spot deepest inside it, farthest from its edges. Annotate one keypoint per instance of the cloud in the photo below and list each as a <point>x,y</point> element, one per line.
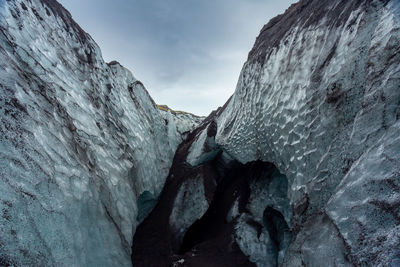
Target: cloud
<point>188,53</point>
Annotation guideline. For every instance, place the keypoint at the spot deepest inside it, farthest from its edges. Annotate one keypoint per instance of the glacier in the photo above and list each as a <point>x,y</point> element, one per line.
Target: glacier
<point>319,101</point>
<point>329,94</point>
<point>300,167</point>
<point>81,140</point>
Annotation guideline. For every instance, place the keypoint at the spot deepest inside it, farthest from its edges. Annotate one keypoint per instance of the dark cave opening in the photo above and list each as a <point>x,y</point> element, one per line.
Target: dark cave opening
<point>235,184</point>
<point>276,225</point>
<point>231,186</point>
<point>253,195</point>
<point>278,230</point>
<point>146,202</point>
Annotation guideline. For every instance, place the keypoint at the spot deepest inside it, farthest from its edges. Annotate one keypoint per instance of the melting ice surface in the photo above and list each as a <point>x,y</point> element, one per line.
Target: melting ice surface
<point>84,150</point>
<point>80,142</point>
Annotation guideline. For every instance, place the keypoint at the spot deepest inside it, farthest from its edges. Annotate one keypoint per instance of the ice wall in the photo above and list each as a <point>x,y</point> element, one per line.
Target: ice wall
<point>320,98</point>
<point>80,141</point>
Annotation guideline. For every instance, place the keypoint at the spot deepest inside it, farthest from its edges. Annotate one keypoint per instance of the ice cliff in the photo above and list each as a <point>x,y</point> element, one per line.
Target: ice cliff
<point>320,98</point>
<point>301,166</point>
<point>179,123</point>
<point>82,144</point>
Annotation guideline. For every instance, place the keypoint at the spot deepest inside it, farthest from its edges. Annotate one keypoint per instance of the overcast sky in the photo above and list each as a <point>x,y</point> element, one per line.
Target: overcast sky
<point>188,53</point>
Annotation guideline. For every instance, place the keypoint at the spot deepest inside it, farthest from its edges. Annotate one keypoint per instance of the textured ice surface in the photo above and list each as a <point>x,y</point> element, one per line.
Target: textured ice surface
<point>320,98</point>
<point>233,212</point>
<point>319,245</point>
<point>254,228</point>
<point>180,124</point>
<point>256,244</point>
<point>80,141</point>
<point>204,148</point>
<point>190,205</point>
<point>84,151</point>
<point>145,204</point>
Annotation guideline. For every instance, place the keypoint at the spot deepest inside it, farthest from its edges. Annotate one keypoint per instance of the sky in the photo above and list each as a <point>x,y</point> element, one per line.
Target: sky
<point>187,53</point>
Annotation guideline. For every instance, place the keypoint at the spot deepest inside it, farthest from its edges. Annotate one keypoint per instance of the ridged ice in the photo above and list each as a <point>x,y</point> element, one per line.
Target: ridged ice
<point>320,98</point>
<point>80,140</point>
